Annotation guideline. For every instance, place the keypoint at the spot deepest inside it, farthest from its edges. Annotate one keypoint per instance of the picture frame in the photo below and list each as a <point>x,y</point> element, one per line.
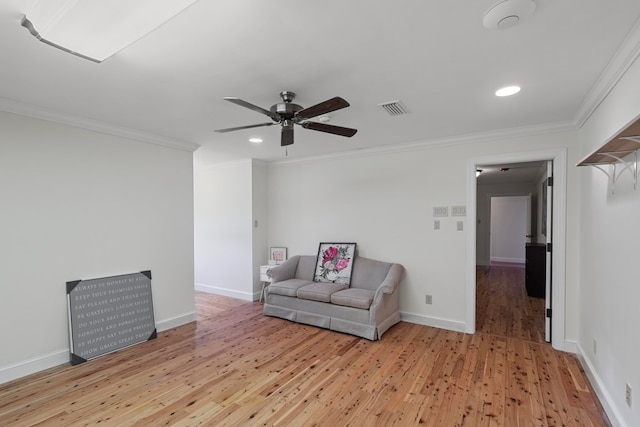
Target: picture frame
<point>277,255</point>
<point>335,262</point>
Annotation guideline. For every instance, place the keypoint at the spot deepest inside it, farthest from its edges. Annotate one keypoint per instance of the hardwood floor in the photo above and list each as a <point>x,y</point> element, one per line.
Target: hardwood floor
<point>503,306</point>
<point>236,367</point>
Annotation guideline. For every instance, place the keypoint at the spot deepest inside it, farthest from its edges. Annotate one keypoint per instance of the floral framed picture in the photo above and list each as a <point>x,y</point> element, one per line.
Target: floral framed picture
<point>335,262</point>
<point>277,256</point>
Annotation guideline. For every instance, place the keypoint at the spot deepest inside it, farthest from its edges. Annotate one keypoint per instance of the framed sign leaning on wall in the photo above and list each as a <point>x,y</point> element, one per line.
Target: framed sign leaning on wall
<point>108,314</point>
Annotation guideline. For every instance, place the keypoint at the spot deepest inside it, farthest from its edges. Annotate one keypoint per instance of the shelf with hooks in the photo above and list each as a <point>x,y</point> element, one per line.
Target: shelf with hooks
<point>618,155</point>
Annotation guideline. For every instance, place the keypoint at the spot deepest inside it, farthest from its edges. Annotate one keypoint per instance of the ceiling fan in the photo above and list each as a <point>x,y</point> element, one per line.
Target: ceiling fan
<point>287,114</point>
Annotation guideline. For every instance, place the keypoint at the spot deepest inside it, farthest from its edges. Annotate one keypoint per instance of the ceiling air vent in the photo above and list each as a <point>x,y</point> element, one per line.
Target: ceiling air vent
<point>394,108</point>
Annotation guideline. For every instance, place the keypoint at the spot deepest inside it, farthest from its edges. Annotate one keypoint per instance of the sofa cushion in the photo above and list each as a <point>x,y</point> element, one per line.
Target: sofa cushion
<point>306,267</point>
<point>288,287</point>
<point>320,291</point>
<point>368,273</point>
<point>353,297</point>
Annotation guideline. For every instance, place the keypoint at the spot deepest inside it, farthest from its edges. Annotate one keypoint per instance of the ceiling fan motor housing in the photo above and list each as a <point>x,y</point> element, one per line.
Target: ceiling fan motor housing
<point>286,110</point>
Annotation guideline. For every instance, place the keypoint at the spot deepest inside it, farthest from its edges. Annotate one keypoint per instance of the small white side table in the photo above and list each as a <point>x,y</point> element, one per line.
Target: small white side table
<point>264,278</point>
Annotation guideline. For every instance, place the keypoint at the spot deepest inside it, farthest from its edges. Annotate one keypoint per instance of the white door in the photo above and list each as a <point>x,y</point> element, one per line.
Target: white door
<point>547,216</point>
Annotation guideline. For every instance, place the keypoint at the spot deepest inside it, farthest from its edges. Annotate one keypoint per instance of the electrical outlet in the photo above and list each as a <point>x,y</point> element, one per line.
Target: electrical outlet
<point>436,224</point>
<point>460,225</point>
<point>627,395</point>
<point>440,211</point>
<point>428,299</point>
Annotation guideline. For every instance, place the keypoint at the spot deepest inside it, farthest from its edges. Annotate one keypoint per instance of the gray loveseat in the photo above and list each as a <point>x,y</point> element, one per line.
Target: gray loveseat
<point>365,308</point>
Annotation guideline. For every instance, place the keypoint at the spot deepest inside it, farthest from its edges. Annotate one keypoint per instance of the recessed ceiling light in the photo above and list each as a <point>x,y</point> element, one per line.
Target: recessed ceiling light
<point>255,140</point>
<point>508,91</point>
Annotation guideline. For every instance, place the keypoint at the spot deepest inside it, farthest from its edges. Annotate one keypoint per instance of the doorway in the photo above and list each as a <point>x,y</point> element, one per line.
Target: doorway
<point>504,305</point>
<point>477,239</point>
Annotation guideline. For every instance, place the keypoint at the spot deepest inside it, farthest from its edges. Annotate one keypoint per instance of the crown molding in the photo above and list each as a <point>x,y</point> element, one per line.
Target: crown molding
<point>11,106</point>
<point>624,57</point>
<point>479,137</point>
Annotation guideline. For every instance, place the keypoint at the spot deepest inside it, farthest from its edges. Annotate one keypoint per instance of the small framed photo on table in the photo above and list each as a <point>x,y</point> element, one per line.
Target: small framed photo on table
<point>277,256</point>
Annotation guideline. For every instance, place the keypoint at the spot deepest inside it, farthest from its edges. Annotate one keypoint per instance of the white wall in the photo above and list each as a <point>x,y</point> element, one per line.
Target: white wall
<point>509,228</point>
<point>259,180</point>
<point>384,202</point>
<point>483,212</point>
<point>77,204</point>
<point>223,229</point>
<point>229,248</point>
<point>609,278</point>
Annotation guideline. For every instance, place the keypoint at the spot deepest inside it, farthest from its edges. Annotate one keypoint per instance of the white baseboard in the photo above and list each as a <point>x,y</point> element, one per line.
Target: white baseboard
<point>436,322</point>
<point>509,260</point>
<point>569,346</point>
<point>61,357</point>
<point>176,321</point>
<point>227,292</point>
<point>601,391</point>
<point>31,366</point>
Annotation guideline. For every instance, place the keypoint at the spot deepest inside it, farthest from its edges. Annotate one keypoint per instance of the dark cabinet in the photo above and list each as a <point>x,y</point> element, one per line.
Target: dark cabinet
<point>535,269</point>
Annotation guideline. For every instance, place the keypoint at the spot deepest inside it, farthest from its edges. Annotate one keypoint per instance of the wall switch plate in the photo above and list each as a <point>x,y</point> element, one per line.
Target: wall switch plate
<point>436,224</point>
<point>627,395</point>
<point>428,299</point>
<point>440,211</point>
<point>460,225</point>
<point>458,211</point>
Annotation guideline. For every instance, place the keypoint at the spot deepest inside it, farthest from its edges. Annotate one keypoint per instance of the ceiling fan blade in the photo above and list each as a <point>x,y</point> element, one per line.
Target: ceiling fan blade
<point>287,136</point>
<point>240,102</point>
<point>323,127</point>
<point>325,107</point>
<point>243,127</point>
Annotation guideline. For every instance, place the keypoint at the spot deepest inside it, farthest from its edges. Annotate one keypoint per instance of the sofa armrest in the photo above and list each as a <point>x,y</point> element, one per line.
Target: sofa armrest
<point>285,271</point>
<point>390,283</point>
<point>384,309</point>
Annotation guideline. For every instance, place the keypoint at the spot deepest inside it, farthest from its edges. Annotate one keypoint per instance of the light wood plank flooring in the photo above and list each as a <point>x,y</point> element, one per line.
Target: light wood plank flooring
<point>503,306</point>
<point>236,367</point>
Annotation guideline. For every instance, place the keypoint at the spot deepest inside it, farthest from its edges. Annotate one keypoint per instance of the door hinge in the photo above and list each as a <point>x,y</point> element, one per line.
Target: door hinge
<point>549,247</point>
<point>549,313</point>
<point>550,181</point>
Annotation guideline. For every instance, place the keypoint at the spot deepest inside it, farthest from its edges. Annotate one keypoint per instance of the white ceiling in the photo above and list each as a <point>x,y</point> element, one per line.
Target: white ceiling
<point>434,56</point>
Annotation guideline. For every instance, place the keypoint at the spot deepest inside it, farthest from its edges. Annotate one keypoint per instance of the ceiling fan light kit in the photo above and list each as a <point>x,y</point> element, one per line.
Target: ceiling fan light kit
<point>287,114</point>
<point>507,13</point>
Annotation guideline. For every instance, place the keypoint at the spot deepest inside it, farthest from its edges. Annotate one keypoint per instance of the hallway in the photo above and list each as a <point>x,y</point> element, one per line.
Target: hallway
<point>503,307</point>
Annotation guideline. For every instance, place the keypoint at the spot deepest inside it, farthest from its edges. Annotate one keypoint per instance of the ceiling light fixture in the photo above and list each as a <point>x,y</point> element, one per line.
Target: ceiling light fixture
<point>508,91</point>
<point>255,140</point>
<point>97,29</point>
